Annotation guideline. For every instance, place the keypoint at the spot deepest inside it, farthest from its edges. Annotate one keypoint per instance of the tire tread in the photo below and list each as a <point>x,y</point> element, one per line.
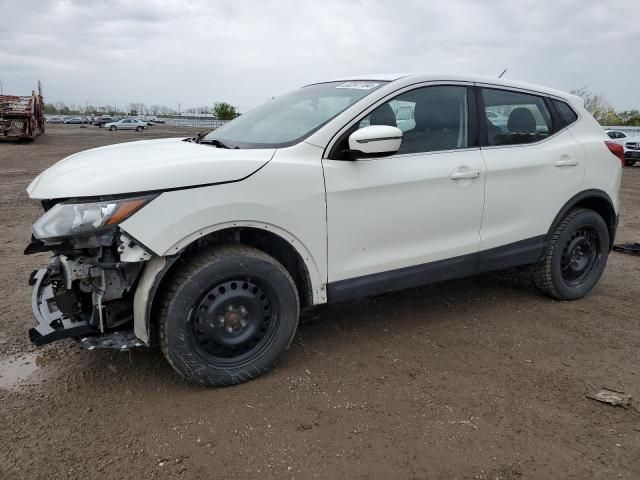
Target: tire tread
<point>182,275</point>
<point>542,277</point>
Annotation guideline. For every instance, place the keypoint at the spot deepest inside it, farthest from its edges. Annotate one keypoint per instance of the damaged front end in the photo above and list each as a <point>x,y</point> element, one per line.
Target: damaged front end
<point>87,289</point>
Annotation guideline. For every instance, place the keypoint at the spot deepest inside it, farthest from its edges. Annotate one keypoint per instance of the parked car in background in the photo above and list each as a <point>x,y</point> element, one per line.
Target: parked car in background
<point>632,151</point>
<point>497,120</point>
<point>102,121</point>
<point>631,145</point>
<point>126,124</point>
<point>54,120</point>
<point>209,247</point>
<point>75,120</point>
<point>616,135</point>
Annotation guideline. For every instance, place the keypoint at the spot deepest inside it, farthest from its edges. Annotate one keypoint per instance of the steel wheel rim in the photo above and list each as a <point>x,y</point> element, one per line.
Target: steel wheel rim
<point>580,256</point>
<point>234,320</point>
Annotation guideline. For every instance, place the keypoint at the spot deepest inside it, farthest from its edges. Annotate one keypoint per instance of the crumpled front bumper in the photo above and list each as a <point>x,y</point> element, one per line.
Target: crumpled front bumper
<point>51,325</point>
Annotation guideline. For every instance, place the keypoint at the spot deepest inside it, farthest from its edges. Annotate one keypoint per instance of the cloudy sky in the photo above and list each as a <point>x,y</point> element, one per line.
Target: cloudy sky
<point>196,52</point>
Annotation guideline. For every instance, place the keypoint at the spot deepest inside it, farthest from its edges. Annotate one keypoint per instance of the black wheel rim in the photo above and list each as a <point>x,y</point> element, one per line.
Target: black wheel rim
<point>580,256</point>
<point>234,320</point>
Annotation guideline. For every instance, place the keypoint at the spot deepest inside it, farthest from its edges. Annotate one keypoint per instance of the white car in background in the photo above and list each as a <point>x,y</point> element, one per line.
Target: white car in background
<point>496,119</point>
<point>617,136</point>
<point>630,143</point>
<point>126,124</point>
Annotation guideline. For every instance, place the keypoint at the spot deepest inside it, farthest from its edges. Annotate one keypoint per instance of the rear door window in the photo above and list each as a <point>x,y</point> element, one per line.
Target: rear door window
<point>514,118</point>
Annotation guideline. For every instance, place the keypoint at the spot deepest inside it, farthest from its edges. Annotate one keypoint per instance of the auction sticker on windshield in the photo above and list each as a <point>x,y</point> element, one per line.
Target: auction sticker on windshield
<point>358,85</point>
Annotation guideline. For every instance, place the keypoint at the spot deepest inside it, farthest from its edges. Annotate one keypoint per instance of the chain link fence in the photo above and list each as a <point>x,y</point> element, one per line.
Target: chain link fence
<point>194,122</point>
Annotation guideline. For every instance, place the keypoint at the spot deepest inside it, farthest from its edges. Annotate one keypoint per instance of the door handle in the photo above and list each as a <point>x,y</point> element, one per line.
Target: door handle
<point>566,162</point>
<point>469,174</point>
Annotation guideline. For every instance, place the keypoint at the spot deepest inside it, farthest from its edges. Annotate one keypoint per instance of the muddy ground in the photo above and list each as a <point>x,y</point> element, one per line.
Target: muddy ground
<point>482,378</point>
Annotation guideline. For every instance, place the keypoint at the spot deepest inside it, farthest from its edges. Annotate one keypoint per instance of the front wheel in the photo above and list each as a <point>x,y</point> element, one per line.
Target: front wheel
<point>227,315</point>
<point>113,128</point>
<point>575,256</point>
<point>138,129</point>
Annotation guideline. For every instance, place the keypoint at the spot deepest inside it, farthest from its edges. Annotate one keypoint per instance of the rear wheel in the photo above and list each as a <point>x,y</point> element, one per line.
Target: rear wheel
<point>227,315</point>
<point>575,256</point>
<point>113,128</point>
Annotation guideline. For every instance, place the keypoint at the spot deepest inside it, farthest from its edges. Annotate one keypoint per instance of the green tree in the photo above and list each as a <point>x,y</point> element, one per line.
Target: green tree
<point>224,111</point>
<point>50,109</point>
<point>596,104</point>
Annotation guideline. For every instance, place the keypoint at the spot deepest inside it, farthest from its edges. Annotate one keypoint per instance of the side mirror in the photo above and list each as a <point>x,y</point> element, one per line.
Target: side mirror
<point>375,141</point>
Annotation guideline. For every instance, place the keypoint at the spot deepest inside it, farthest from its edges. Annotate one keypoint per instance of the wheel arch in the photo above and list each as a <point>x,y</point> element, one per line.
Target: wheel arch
<point>284,248</point>
<point>593,199</point>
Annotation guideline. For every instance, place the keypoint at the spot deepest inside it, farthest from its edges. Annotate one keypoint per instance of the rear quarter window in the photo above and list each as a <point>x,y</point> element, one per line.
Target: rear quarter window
<point>565,113</point>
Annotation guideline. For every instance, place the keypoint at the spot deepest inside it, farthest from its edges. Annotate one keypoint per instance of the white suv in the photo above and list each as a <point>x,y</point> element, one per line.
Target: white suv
<point>210,246</point>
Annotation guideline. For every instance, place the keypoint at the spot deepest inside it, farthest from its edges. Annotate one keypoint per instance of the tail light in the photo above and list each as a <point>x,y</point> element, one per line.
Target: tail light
<point>617,150</point>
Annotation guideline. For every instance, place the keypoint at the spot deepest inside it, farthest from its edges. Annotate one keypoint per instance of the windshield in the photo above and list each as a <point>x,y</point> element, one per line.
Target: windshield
<point>289,119</point>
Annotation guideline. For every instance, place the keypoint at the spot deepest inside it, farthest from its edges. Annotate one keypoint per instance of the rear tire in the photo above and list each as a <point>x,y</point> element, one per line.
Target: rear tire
<point>113,128</point>
<point>575,256</point>
<point>629,163</point>
<point>227,315</point>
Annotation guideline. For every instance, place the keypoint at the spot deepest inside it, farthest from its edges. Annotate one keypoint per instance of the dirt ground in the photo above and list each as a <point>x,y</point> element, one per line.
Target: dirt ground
<point>481,378</point>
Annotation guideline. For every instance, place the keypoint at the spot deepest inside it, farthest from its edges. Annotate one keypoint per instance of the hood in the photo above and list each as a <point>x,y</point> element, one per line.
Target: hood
<point>144,166</point>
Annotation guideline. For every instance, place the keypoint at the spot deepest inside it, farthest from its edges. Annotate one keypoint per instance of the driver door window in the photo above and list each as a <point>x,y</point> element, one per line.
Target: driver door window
<point>431,118</point>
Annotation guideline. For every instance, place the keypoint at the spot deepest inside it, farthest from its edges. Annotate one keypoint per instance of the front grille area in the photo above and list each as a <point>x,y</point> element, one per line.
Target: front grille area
<point>633,145</point>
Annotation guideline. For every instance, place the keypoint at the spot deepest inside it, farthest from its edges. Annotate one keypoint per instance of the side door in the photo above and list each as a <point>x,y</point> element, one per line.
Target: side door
<point>534,166</point>
<point>128,124</point>
<point>412,217</point>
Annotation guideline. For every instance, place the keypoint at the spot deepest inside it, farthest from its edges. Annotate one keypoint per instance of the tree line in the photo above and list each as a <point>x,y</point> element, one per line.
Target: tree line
<point>598,106</point>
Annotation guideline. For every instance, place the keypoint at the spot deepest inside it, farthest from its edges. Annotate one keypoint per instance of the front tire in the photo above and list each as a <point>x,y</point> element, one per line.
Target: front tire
<point>575,256</point>
<point>138,129</point>
<point>227,315</point>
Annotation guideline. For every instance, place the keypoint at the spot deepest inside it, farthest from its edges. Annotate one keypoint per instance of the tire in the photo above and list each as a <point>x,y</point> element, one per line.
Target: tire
<point>226,315</point>
<point>629,163</point>
<point>113,128</point>
<point>138,129</point>
<point>575,256</point>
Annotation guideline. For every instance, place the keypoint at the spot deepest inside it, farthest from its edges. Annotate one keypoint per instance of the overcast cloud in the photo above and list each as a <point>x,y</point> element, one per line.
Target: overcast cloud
<point>198,52</point>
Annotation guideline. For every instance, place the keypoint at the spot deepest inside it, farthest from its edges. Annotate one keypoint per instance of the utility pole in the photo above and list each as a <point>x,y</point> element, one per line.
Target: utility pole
<point>1,90</point>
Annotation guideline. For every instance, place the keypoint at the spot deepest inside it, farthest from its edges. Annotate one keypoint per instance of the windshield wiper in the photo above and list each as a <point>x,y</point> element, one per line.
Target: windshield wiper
<point>214,142</point>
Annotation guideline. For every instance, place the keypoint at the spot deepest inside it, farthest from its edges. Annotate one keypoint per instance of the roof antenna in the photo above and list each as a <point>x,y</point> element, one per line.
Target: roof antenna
<point>503,72</point>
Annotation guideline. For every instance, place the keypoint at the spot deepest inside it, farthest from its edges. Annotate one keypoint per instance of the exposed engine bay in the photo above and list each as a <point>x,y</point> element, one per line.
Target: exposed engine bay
<point>86,291</point>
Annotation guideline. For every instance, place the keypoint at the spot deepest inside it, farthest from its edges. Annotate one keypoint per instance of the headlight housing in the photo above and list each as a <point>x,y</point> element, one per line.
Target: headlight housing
<point>71,219</point>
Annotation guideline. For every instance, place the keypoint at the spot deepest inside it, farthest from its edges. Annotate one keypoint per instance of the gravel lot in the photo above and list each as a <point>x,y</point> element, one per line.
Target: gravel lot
<point>482,378</point>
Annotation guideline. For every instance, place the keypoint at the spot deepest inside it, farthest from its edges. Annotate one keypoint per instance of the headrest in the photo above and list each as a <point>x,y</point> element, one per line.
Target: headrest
<point>383,115</point>
<point>437,113</point>
<point>521,120</point>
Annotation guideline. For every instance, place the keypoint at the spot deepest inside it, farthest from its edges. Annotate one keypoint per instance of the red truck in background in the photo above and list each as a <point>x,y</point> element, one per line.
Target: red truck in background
<point>22,116</point>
